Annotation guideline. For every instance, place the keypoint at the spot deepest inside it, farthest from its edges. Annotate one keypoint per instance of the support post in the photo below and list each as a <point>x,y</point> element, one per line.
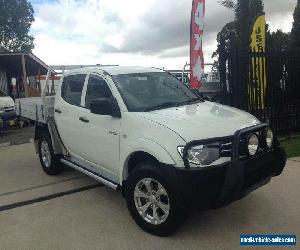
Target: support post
<point>39,80</point>
<point>24,75</point>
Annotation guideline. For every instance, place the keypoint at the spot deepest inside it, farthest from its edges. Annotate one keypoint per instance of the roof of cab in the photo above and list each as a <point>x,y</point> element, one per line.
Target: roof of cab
<point>118,70</point>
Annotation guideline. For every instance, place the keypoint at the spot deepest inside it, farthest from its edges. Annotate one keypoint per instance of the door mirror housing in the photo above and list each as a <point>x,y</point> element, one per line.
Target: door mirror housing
<point>105,106</point>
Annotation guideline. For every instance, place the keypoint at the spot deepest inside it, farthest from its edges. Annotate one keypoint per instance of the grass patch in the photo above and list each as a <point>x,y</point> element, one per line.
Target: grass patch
<point>292,146</point>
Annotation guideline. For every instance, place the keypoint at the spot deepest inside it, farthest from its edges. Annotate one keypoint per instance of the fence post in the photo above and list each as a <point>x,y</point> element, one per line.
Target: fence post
<point>234,70</point>
<point>223,56</point>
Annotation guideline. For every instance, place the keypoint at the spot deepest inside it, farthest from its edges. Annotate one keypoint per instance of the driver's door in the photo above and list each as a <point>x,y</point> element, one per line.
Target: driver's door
<point>101,132</point>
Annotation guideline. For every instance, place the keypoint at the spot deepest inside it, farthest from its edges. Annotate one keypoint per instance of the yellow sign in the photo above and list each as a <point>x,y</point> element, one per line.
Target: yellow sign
<point>257,86</point>
<point>258,36</point>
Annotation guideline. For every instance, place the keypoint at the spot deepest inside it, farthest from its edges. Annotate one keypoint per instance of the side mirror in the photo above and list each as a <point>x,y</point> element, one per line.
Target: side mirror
<point>105,106</point>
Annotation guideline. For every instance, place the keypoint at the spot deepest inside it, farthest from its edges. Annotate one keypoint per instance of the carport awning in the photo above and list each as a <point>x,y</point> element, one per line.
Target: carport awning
<point>12,62</point>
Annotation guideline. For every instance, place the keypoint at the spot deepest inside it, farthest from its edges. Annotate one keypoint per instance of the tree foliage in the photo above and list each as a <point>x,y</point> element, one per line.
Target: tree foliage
<point>295,34</point>
<point>245,13</point>
<point>16,17</point>
<point>256,7</point>
<point>230,4</point>
<point>278,39</point>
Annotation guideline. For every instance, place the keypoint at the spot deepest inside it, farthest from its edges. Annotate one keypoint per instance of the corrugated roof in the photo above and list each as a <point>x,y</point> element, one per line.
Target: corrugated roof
<point>12,62</point>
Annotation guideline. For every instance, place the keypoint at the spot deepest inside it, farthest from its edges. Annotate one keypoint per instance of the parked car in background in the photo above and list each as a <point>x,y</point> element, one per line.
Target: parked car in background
<point>184,78</point>
<point>7,110</point>
<point>211,91</point>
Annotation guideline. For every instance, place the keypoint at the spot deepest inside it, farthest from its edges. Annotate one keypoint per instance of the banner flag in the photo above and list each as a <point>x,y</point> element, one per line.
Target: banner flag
<point>196,52</point>
<point>258,71</point>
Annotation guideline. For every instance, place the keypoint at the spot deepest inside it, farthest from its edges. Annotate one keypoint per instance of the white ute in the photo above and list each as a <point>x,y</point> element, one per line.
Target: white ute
<point>142,131</point>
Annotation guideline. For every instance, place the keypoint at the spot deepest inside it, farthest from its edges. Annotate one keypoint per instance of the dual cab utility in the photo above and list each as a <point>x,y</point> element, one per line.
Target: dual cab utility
<point>144,132</point>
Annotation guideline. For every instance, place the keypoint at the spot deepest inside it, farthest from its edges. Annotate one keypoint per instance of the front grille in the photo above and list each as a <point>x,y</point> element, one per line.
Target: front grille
<point>8,109</point>
<point>226,146</point>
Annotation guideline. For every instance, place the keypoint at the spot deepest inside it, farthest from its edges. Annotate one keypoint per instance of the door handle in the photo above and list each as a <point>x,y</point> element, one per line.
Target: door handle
<point>57,111</point>
<point>84,119</point>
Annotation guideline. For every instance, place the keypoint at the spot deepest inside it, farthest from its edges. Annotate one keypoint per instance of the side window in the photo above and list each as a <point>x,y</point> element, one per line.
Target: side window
<point>97,88</point>
<point>71,89</point>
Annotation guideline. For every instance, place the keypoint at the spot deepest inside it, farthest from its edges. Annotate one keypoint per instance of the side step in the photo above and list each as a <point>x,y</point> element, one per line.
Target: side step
<point>91,174</point>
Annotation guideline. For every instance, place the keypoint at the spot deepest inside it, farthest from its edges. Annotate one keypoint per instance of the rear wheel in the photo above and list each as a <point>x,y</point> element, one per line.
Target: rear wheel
<point>50,162</point>
<point>152,202</point>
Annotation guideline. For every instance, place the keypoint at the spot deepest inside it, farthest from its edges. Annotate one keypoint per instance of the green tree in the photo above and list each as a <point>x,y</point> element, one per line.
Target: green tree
<point>295,34</point>
<point>16,17</point>
<point>245,13</point>
<point>230,4</point>
<point>278,39</point>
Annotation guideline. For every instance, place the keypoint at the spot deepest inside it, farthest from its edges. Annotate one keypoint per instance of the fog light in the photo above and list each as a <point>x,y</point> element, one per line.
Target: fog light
<point>253,143</point>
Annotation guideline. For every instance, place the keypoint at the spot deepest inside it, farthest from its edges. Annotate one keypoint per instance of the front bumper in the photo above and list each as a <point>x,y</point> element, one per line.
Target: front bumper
<point>218,186</point>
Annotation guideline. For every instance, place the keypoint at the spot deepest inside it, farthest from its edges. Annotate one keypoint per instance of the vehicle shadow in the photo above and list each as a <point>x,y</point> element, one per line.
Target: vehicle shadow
<point>251,215</point>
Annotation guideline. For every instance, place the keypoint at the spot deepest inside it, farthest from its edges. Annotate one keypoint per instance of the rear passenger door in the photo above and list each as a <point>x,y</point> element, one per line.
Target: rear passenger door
<point>68,110</point>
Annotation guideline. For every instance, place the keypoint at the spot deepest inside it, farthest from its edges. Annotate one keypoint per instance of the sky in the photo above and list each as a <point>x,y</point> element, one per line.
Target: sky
<point>132,32</point>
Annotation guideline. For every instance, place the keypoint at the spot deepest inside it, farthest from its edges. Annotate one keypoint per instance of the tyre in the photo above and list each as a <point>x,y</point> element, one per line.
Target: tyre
<point>152,202</point>
<point>50,162</point>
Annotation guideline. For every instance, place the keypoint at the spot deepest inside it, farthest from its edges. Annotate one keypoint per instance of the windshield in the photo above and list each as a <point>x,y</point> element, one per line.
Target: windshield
<point>2,94</point>
<point>144,92</point>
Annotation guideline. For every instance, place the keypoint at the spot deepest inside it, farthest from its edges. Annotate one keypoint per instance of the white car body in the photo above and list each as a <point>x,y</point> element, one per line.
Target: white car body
<point>6,104</point>
<point>163,130</point>
<point>198,152</point>
<point>7,111</point>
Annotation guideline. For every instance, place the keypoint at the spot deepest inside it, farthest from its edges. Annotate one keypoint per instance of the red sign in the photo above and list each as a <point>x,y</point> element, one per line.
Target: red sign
<point>196,52</point>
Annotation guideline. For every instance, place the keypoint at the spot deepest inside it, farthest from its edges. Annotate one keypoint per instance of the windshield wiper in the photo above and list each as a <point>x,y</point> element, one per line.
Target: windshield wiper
<point>161,106</point>
<point>191,101</point>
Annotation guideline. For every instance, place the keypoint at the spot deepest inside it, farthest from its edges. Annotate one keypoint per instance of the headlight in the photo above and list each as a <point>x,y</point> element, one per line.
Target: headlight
<point>269,138</point>
<point>202,155</point>
<point>1,109</point>
<point>253,144</point>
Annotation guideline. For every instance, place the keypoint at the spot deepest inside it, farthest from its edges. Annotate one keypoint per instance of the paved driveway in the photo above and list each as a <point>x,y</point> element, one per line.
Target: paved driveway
<point>77,214</point>
<point>16,135</point>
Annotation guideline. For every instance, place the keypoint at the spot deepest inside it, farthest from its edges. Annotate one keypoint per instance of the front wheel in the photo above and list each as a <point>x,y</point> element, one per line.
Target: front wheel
<point>50,162</point>
<point>152,202</point>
